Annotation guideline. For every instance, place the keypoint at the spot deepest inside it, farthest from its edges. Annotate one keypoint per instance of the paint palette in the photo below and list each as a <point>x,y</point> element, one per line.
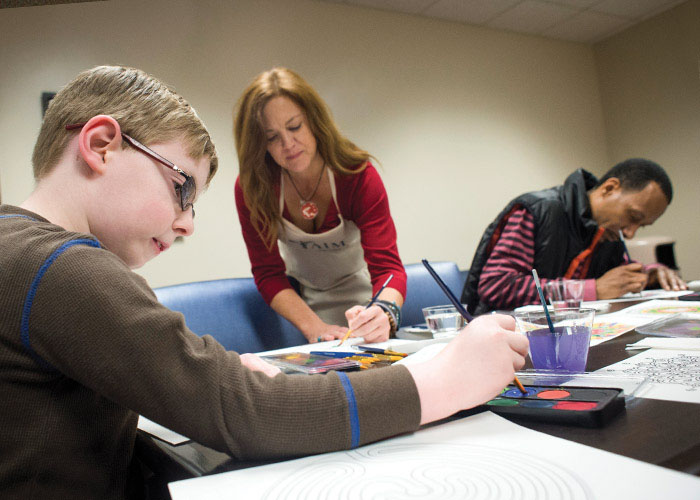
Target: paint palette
<point>584,406</point>
<point>303,362</point>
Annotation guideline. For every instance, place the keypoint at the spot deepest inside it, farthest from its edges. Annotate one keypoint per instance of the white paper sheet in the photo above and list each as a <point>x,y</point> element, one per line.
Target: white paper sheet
<point>162,433</point>
<point>683,344</point>
<point>644,295</point>
<point>400,345</point>
<point>673,375</point>
<point>480,457</point>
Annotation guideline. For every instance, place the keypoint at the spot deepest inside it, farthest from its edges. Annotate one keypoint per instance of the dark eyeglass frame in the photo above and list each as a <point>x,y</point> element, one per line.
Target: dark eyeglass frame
<point>188,188</point>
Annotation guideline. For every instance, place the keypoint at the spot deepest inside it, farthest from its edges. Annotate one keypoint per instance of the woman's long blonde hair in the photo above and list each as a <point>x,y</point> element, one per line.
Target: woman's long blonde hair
<point>259,173</point>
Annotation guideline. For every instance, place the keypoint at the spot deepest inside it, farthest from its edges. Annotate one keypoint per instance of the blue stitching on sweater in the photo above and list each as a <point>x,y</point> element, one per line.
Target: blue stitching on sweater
<point>352,409</point>
<point>26,310</point>
<point>16,217</point>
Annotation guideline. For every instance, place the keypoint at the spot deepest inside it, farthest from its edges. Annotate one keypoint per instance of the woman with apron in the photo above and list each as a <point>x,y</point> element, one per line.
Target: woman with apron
<point>314,211</point>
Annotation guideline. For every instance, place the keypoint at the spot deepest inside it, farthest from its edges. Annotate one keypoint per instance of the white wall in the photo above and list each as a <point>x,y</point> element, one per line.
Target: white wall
<point>462,118</point>
<point>650,86</point>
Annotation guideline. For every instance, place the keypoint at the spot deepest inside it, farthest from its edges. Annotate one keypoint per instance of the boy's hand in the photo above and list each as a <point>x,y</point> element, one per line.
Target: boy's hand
<point>621,280</point>
<point>473,368</point>
<point>372,323</point>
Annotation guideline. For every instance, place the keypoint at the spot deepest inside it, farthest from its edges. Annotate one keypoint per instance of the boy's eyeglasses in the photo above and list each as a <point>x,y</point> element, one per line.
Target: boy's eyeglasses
<point>187,189</point>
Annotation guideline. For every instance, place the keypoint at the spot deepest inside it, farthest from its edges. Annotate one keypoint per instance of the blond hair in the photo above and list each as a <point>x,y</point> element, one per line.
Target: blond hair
<point>259,173</point>
<point>144,107</point>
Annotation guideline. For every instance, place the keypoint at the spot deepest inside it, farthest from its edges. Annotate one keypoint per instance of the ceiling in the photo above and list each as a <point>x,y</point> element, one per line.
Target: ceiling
<point>587,21</point>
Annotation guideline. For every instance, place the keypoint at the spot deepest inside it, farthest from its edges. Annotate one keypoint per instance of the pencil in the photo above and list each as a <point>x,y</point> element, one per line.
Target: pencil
<point>374,299</point>
<point>465,314</point>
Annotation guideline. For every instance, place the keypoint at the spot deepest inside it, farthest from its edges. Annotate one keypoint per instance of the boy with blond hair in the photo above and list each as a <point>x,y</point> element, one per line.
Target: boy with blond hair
<point>85,346</point>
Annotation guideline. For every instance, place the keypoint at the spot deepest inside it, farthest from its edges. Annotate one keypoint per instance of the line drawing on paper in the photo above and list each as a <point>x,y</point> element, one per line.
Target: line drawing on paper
<point>430,471</point>
<point>670,310</point>
<point>680,369</point>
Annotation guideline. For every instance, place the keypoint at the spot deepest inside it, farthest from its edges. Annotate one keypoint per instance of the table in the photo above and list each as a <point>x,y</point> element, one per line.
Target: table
<point>664,433</point>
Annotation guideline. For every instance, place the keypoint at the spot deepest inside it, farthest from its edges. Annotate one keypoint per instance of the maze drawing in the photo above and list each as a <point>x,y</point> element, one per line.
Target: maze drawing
<point>432,471</point>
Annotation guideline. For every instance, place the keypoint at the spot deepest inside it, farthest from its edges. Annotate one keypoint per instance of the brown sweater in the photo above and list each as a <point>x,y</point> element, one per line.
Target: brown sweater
<point>84,344</point>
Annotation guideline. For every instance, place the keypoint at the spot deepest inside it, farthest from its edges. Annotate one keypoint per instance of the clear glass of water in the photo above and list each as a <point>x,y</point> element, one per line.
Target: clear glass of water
<point>443,321</point>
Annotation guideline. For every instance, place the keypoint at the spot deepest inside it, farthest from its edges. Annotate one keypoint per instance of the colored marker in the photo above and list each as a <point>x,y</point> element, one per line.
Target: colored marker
<point>374,299</point>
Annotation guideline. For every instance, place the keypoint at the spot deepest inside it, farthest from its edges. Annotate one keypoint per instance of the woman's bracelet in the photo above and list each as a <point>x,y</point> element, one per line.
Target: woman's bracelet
<point>393,312</point>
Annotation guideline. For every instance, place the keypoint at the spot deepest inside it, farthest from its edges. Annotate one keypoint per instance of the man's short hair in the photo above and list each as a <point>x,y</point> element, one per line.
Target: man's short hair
<point>634,175</point>
<point>144,107</point>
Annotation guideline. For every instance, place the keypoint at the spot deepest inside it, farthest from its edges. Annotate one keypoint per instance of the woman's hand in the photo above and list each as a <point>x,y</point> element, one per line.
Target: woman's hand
<point>257,364</point>
<point>323,332</point>
<point>372,323</point>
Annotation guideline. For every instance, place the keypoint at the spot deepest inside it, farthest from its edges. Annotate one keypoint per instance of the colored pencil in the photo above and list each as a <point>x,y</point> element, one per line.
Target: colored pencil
<point>374,299</point>
<point>458,305</point>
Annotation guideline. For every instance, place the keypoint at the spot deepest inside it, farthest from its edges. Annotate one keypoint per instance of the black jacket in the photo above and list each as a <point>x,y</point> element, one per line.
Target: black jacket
<point>564,227</point>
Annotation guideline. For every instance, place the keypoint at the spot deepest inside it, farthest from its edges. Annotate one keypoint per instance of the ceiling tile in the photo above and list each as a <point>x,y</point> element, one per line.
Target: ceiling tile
<point>587,27</point>
<point>532,16</point>
<point>412,6</point>
<point>632,9</point>
<point>469,11</point>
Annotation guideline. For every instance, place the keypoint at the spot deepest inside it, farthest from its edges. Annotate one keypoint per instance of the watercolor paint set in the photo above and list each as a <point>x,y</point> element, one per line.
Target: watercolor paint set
<point>304,362</point>
<point>583,406</point>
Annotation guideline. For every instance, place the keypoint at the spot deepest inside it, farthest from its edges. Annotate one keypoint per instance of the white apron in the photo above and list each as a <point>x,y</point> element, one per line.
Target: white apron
<point>330,266</point>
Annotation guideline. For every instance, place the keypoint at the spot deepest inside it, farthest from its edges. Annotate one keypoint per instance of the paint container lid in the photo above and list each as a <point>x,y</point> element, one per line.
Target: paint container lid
<point>631,385</point>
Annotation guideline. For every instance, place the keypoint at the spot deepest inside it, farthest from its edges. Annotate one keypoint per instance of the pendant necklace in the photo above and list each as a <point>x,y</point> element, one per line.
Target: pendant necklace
<point>309,210</point>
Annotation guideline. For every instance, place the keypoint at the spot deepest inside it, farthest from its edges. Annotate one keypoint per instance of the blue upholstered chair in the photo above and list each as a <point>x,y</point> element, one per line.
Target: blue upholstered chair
<point>422,291</point>
<point>233,312</point>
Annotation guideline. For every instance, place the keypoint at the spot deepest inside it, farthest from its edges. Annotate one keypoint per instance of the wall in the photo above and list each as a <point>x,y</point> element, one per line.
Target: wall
<point>650,88</point>
<point>461,118</point>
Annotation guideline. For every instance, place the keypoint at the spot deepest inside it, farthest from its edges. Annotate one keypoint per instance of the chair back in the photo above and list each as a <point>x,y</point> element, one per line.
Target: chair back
<point>233,312</point>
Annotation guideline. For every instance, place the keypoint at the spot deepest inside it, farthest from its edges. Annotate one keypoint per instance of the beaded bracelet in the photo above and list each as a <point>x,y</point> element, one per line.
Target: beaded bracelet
<point>393,312</point>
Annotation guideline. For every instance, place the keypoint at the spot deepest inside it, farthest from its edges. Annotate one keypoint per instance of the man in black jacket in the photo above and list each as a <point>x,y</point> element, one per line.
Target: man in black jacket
<point>572,231</point>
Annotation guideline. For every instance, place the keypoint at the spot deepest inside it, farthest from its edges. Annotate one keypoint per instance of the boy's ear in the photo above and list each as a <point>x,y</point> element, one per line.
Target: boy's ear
<point>98,137</point>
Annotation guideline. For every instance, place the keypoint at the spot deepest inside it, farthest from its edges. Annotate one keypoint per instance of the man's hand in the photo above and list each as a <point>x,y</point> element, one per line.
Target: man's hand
<point>621,280</point>
<point>666,278</point>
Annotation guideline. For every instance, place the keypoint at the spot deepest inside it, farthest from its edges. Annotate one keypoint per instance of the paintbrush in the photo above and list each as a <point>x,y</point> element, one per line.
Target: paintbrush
<point>544,303</point>
<point>458,305</point>
<point>371,302</point>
